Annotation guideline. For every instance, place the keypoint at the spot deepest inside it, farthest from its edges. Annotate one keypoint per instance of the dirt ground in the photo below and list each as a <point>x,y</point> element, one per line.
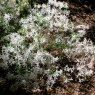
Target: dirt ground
<point>82,13</point>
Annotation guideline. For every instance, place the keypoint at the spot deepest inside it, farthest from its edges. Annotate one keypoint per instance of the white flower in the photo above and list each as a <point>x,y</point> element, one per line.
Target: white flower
<point>15,38</point>
<point>36,40</point>
<point>92,62</point>
<point>57,73</point>
<point>44,6</point>
<point>43,40</point>
<point>81,32</point>
<point>82,27</point>
<point>51,2</point>
<point>50,81</point>
<point>66,80</point>
<point>7,17</point>
<point>80,67</point>
<point>57,24</point>
<point>81,80</point>
<point>33,33</point>
<point>10,49</point>
<point>65,5</point>
<point>44,57</point>
<point>89,73</point>
<point>38,6</point>
<point>59,4</point>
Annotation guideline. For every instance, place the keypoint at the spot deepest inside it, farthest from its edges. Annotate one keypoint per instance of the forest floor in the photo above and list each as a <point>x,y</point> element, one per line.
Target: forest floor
<point>82,14</point>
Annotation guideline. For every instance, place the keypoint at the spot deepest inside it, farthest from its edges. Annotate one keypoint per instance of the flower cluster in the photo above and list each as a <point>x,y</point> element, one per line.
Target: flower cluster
<point>52,16</point>
<point>81,53</point>
<point>7,17</point>
<point>31,53</point>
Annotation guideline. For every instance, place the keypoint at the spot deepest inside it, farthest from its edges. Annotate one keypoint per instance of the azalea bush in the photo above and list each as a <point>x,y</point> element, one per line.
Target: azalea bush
<point>34,41</point>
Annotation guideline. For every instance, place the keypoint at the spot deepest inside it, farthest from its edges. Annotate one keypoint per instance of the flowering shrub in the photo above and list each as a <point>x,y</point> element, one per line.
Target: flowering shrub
<point>24,51</point>
<point>81,53</point>
<point>34,41</point>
